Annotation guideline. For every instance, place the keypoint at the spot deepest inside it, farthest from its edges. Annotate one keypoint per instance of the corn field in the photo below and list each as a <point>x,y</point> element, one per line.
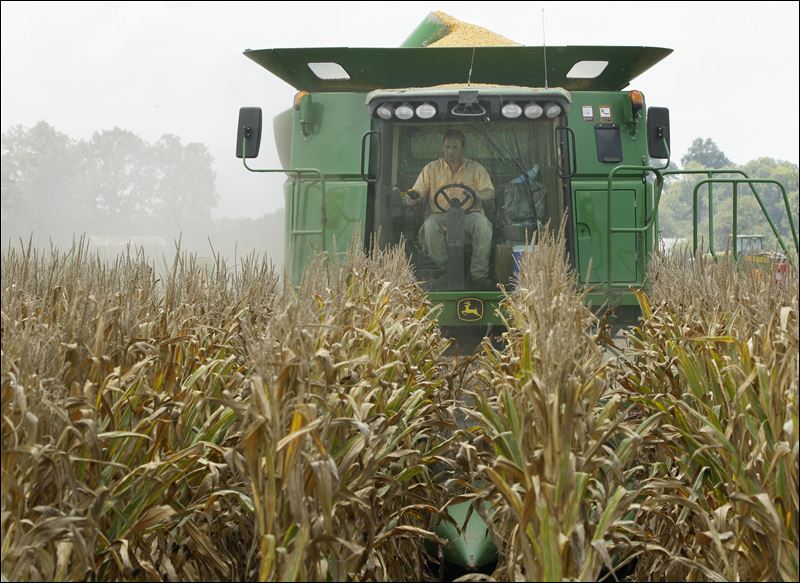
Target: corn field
<point>188,422</point>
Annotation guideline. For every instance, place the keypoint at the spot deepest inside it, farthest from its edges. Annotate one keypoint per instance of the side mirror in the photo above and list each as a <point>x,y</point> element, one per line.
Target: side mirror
<point>248,137</point>
<point>658,132</point>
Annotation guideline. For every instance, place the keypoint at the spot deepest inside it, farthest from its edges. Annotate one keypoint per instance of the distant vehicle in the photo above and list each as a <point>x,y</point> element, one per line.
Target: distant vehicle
<point>114,245</point>
<point>749,244</point>
<point>752,251</point>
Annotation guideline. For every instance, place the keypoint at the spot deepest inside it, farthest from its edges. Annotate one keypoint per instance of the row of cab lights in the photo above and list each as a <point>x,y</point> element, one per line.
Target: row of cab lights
<point>509,110</point>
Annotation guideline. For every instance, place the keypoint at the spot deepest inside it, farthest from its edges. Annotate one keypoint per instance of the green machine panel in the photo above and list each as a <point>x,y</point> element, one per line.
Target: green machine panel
<point>591,230</point>
<point>328,138</point>
<point>315,223</point>
<point>593,112</point>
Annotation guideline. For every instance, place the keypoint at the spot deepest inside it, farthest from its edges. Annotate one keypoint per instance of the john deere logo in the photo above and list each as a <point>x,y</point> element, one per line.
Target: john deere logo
<point>470,309</point>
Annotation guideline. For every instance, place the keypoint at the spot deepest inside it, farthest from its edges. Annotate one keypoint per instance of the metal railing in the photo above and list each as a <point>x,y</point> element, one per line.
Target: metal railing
<point>649,221</point>
<point>735,182</point>
<point>709,173</point>
<point>294,210</point>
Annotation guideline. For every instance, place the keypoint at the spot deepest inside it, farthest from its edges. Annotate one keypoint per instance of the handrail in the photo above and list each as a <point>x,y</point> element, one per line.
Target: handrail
<point>298,172</point>
<point>572,162</point>
<point>709,172</point>
<point>649,221</point>
<point>364,177</point>
<point>735,182</point>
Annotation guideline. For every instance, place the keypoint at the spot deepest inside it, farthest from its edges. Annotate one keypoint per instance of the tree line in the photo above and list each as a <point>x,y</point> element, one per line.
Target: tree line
<point>114,186</point>
<point>114,182</point>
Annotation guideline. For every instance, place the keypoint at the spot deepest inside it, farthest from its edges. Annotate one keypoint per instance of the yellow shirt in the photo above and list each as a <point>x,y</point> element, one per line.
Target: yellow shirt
<point>437,173</point>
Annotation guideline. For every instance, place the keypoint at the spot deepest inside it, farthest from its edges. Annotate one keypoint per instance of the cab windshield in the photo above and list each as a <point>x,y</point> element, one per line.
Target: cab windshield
<point>510,169</point>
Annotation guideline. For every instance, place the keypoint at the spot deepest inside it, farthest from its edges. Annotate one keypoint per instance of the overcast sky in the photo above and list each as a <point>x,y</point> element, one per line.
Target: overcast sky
<point>174,67</point>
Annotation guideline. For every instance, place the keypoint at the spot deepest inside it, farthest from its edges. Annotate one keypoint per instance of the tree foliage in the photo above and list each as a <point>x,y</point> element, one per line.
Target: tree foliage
<point>41,190</point>
<point>114,183</point>
<point>706,154</point>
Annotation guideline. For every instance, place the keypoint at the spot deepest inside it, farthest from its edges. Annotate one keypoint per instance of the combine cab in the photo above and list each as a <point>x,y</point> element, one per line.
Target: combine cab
<point>555,130</point>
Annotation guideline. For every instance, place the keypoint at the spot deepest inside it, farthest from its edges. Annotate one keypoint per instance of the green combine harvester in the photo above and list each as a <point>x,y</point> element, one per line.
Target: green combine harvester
<point>370,147</point>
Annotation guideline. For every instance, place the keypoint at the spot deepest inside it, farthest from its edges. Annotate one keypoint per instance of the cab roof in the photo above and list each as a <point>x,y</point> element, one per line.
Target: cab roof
<point>368,69</point>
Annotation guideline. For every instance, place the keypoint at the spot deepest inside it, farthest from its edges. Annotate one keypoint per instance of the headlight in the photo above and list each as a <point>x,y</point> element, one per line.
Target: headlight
<point>426,111</point>
<point>552,110</point>
<point>385,111</point>
<point>511,110</point>
<point>533,111</point>
<point>637,101</point>
<point>404,112</point>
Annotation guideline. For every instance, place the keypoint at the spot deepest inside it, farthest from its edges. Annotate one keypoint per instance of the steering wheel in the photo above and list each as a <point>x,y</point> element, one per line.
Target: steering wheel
<point>467,205</point>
